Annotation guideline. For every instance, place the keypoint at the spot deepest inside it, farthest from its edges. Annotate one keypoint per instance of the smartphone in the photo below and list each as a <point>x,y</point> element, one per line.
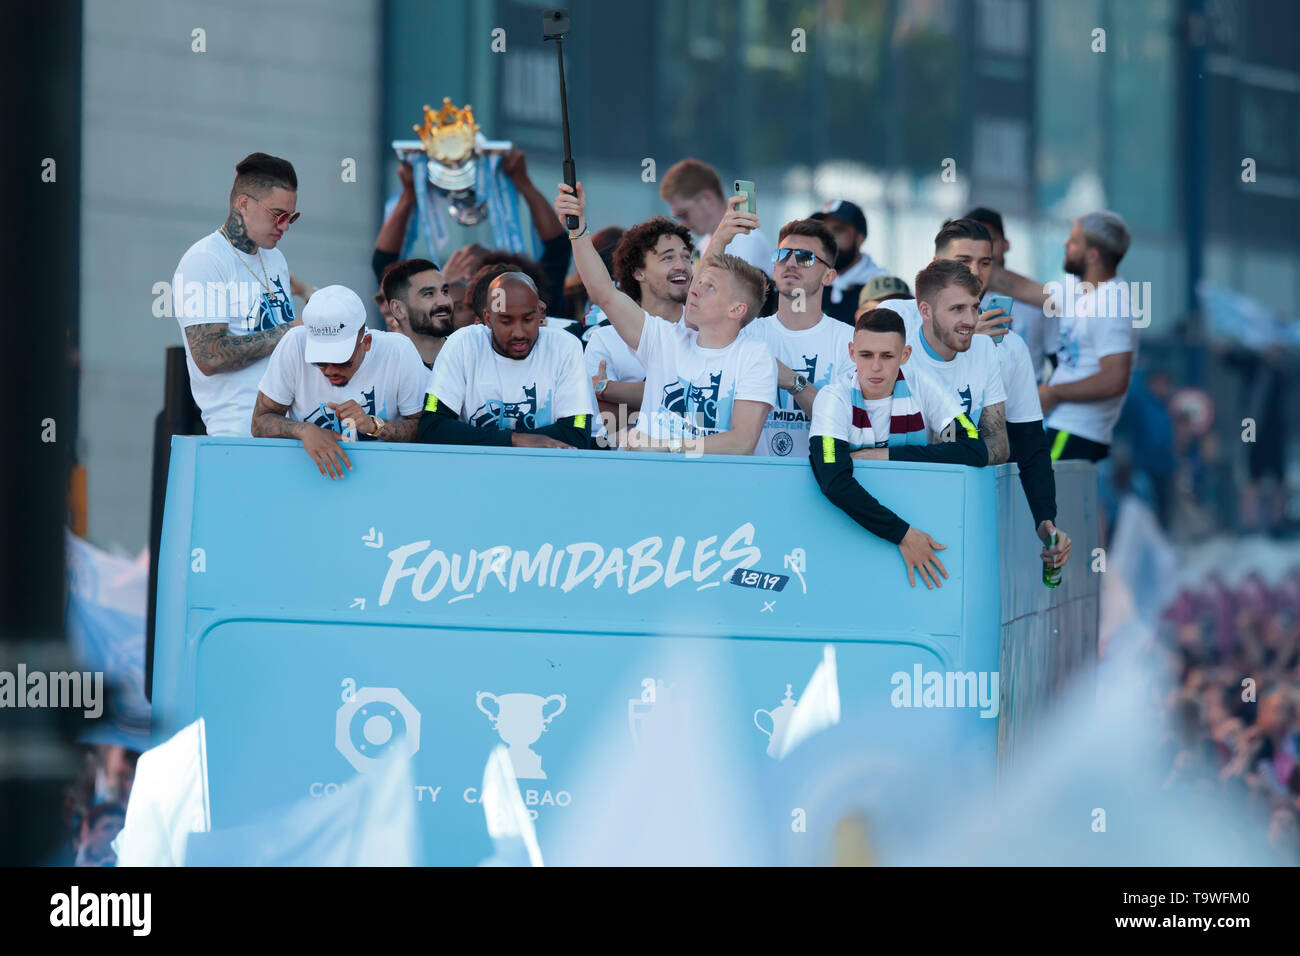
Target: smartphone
<point>1002,302</point>
<point>745,188</point>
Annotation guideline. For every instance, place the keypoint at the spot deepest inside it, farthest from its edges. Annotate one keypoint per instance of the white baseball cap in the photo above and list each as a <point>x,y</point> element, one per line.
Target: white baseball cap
<point>332,318</point>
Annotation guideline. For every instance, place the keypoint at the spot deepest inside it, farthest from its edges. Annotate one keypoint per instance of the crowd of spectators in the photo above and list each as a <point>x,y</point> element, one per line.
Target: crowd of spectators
<point>94,807</point>
<point>1236,654</point>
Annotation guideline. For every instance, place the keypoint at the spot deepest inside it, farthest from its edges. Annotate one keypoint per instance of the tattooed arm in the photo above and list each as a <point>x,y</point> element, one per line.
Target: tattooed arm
<point>403,429</point>
<point>993,429</point>
<point>321,444</point>
<point>215,350</point>
<point>269,420</point>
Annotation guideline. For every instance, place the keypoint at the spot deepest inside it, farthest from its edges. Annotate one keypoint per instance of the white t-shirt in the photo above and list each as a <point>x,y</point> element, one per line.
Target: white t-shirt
<point>833,410</point>
<point>1018,379</point>
<point>215,283</point>
<point>820,353</point>
<point>621,364</point>
<point>973,376</point>
<point>690,390</point>
<point>487,389</point>
<point>1039,331</point>
<point>752,246</point>
<point>1099,324</point>
<point>389,382</point>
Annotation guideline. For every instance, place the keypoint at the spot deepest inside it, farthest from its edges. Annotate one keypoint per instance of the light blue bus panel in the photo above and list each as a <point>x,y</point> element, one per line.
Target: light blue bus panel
<point>573,607</point>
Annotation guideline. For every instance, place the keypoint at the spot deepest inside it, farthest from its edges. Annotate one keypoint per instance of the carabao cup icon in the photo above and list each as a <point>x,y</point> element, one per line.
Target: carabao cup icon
<point>376,721</point>
<point>519,720</point>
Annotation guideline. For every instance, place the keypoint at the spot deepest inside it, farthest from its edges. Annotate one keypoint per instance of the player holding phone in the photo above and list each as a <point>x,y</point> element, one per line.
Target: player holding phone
<point>694,195</point>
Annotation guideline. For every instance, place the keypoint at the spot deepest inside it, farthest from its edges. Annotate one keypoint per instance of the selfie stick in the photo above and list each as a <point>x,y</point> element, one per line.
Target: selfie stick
<point>570,174</point>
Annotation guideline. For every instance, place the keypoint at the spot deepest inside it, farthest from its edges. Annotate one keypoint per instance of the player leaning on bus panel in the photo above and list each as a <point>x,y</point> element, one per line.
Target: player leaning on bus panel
<point>510,381</point>
<point>332,376</point>
<point>882,411</point>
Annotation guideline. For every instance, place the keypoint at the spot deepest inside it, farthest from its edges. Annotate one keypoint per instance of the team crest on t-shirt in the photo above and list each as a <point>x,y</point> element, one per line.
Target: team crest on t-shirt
<point>1068,354</point>
<point>327,418</point>
<point>697,405</point>
<point>270,310</point>
<point>512,415</point>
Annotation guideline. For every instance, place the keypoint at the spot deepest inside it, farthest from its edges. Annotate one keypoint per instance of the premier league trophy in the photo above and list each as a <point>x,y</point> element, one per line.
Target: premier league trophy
<point>458,170</point>
<point>454,147</point>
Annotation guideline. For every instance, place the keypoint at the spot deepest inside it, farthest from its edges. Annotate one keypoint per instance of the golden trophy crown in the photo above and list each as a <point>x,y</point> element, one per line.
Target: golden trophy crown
<point>448,134</point>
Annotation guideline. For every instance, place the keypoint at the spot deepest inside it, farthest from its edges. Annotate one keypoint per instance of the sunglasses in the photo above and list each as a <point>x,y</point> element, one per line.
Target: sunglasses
<point>323,365</point>
<point>803,258</point>
<point>281,218</point>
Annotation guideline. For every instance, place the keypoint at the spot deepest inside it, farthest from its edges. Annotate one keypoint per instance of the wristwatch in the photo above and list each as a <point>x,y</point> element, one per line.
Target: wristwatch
<point>800,383</point>
<point>379,425</point>
<point>601,387</point>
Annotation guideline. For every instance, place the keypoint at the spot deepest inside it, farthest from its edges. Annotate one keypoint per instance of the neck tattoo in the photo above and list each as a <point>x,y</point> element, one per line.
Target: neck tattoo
<point>234,230</point>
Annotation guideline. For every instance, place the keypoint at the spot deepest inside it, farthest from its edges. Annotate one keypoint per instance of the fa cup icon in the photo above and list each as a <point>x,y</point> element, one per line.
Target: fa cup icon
<point>780,720</point>
<point>520,719</point>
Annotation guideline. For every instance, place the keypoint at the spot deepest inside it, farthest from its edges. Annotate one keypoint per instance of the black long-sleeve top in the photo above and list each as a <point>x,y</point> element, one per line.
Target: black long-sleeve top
<point>442,426</point>
<point>833,467</point>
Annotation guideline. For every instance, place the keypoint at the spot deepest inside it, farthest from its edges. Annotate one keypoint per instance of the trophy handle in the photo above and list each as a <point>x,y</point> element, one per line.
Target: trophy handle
<point>769,717</point>
<point>479,701</point>
<point>563,704</point>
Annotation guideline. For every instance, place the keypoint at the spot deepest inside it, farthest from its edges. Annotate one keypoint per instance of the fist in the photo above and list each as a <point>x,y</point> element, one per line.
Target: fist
<point>350,411</point>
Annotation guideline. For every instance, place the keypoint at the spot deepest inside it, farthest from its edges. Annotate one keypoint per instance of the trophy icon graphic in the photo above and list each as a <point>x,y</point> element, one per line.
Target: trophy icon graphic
<point>520,719</point>
<point>780,719</point>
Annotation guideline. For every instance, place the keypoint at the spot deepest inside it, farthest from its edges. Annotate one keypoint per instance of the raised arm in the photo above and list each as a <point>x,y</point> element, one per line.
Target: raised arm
<point>388,244</point>
<point>514,164</point>
<point>1018,287</point>
<point>733,223</point>
<point>623,313</point>
<point>215,350</point>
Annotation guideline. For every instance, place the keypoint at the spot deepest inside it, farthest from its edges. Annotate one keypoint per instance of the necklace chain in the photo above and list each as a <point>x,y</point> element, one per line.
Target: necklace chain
<point>265,280</point>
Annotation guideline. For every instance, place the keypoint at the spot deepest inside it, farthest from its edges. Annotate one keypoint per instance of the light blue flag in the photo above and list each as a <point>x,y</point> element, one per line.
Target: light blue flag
<point>105,625</point>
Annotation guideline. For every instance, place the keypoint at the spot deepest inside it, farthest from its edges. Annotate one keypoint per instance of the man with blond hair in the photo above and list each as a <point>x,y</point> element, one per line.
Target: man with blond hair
<point>707,389</point>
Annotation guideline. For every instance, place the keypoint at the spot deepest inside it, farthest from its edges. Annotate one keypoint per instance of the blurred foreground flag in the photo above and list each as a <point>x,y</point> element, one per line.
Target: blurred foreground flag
<point>511,829</point>
<point>1141,572</point>
<point>818,707</point>
<point>169,801</point>
<point>106,623</point>
<point>370,821</point>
